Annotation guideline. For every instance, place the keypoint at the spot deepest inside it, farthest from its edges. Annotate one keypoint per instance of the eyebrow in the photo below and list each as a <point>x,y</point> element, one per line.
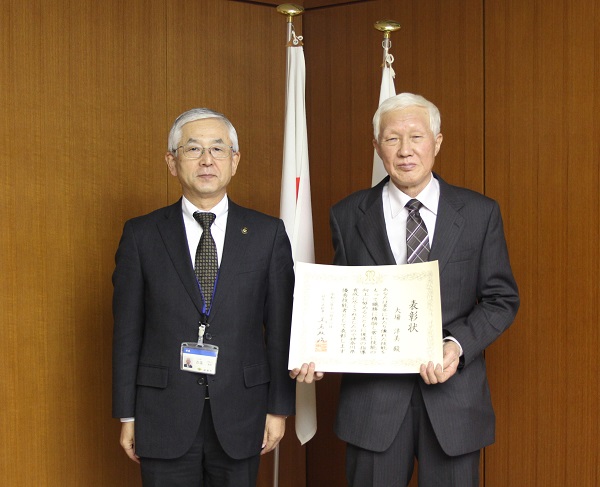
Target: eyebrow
<point>215,141</point>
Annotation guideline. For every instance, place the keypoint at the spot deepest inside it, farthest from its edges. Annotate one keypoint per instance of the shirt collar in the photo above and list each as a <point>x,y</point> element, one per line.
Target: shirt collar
<point>429,196</point>
<point>220,210</point>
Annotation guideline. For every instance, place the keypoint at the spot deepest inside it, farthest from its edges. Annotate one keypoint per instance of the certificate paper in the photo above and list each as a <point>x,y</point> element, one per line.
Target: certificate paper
<point>375,319</point>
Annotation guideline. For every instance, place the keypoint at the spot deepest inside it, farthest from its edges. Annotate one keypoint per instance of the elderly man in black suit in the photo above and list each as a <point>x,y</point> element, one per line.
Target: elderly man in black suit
<point>207,424</point>
<point>442,416</point>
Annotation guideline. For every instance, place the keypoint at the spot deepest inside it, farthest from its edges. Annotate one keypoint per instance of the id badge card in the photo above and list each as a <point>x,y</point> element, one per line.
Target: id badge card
<point>199,358</point>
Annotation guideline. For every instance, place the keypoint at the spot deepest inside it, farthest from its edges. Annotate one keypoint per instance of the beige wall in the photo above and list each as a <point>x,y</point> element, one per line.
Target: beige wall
<point>88,91</point>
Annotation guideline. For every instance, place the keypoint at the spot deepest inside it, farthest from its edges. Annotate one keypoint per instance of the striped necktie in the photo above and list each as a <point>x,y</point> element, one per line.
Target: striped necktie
<point>417,239</point>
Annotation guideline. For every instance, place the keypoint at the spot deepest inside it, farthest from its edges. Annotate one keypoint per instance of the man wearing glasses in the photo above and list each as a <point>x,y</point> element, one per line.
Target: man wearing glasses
<point>202,307</point>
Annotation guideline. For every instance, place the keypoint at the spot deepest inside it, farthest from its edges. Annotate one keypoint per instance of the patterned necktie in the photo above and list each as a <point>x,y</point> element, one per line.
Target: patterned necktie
<point>207,264</point>
<point>417,239</point>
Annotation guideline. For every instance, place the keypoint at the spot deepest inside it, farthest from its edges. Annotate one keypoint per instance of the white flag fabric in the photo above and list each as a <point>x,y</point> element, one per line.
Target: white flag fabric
<point>387,90</point>
<point>296,208</point>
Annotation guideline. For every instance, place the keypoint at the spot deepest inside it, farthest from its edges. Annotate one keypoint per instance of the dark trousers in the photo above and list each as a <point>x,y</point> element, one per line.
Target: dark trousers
<point>415,439</point>
<point>204,465</point>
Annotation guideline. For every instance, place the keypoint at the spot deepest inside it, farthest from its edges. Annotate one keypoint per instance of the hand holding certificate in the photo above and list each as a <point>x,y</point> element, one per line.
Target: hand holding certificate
<point>379,319</point>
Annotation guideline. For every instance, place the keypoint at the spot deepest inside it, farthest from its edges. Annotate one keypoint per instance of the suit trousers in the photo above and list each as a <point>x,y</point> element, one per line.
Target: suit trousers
<point>415,439</point>
<point>204,465</point>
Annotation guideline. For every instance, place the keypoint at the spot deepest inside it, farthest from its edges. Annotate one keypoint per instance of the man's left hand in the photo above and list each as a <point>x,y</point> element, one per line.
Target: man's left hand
<point>274,431</point>
<point>437,375</point>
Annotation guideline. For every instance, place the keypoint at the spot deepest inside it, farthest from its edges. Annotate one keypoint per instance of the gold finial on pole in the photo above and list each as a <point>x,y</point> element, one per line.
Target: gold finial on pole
<point>290,10</point>
<point>387,27</point>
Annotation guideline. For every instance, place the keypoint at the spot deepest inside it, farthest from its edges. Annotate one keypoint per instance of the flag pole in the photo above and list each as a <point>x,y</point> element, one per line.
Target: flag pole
<point>290,11</point>
<point>387,86</point>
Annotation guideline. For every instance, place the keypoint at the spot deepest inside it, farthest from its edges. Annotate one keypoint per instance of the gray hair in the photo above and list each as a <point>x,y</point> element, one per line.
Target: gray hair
<point>199,114</point>
<point>405,100</point>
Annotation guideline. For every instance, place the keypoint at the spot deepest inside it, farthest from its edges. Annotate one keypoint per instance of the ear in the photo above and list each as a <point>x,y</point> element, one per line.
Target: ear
<point>171,163</point>
<point>376,147</point>
<point>235,160</point>
<point>438,143</point>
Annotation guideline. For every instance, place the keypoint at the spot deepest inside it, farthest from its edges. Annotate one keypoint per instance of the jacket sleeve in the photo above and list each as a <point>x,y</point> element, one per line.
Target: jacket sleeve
<point>495,291</point>
<point>128,314</point>
<point>278,319</point>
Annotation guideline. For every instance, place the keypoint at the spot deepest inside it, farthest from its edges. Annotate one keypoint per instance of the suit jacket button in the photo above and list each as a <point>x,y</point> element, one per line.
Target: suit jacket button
<point>201,381</point>
<point>207,336</point>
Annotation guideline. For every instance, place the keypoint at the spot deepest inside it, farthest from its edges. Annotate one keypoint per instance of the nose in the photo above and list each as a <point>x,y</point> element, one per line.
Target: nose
<point>404,149</point>
<point>205,159</point>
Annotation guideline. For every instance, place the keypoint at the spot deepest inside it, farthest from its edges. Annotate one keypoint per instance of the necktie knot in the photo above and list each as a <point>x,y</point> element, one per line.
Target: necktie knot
<point>204,219</point>
<point>414,205</point>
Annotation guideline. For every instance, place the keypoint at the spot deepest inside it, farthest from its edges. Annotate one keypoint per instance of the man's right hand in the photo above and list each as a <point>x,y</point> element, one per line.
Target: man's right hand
<point>306,373</point>
<point>128,440</point>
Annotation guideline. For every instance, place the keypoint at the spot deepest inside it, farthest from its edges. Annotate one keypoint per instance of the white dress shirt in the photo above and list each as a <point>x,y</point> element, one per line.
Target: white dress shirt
<point>193,230</point>
<point>396,214</point>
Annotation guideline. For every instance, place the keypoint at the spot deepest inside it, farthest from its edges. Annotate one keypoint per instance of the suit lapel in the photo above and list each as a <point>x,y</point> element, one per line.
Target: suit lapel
<point>235,252</point>
<point>449,224</point>
<point>371,227</point>
<point>172,232</point>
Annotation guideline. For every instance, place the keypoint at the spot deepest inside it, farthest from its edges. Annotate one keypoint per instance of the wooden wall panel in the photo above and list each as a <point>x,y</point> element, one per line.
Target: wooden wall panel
<point>74,166</point>
<point>542,164</point>
<point>439,54</point>
<point>582,212</point>
<point>515,187</point>
<point>88,92</point>
<point>238,50</point>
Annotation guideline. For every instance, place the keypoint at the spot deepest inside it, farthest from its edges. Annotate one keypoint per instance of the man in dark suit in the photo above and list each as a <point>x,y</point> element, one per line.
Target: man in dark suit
<point>442,416</point>
<point>184,427</point>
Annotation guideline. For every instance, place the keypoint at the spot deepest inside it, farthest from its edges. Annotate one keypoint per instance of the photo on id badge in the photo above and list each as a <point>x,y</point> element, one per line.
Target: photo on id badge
<point>199,358</point>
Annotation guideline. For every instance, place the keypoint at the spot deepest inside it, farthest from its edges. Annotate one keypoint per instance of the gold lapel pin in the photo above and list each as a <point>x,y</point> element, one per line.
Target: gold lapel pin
<point>244,230</point>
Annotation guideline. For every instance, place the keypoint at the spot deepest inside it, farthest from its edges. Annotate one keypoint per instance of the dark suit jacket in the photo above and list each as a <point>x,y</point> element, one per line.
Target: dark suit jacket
<point>479,301</point>
<point>157,305</point>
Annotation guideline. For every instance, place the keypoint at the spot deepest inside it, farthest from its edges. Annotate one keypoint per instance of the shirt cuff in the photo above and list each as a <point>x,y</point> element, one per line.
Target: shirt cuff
<point>127,420</point>
<point>455,341</point>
